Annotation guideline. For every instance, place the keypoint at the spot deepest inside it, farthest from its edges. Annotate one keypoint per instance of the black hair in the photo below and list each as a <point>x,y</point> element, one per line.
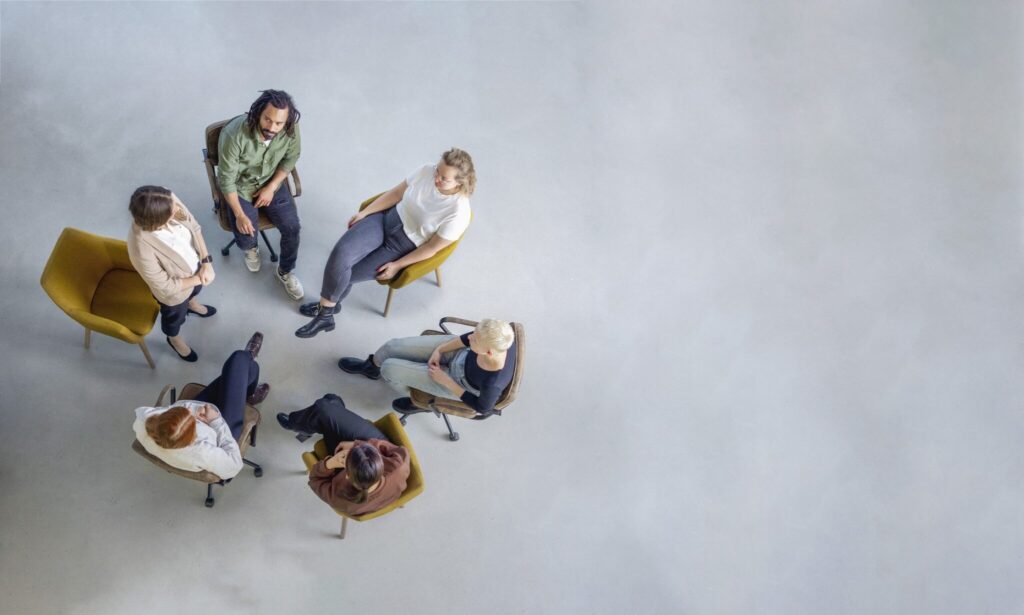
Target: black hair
<point>280,100</point>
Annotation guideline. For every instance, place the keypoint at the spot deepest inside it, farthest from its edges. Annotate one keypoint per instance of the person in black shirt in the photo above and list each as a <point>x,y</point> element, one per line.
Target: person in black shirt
<point>474,368</point>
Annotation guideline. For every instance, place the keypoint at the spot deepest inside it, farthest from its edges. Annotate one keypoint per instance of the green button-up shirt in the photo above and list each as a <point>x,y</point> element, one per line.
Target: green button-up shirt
<point>246,164</point>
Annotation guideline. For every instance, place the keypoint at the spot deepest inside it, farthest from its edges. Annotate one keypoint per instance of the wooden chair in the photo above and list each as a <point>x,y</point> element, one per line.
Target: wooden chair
<point>393,429</point>
<point>246,439</point>
<point>443,407</point>
<point>220,206</point>
<point>92,280</point>
<point>414,271</point>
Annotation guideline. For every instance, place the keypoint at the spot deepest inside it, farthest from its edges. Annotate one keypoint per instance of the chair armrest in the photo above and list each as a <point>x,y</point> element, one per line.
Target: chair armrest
<point>174,395</point>
<point>298,183</point>
<point>458,321</point>
<point>211,174</point>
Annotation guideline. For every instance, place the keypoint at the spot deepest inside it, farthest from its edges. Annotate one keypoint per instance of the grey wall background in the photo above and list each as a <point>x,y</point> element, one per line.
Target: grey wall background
<point>768,257</point>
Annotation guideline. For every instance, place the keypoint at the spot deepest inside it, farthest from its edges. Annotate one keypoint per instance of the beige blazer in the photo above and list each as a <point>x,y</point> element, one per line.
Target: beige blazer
<point>161,267</point>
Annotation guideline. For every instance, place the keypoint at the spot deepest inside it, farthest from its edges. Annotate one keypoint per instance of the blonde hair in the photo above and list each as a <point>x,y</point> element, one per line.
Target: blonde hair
<point>463,163</point>
<point>495,334</point>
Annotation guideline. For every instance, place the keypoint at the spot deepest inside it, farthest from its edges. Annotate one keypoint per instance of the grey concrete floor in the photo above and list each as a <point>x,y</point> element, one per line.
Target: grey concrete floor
<point>768,256</point>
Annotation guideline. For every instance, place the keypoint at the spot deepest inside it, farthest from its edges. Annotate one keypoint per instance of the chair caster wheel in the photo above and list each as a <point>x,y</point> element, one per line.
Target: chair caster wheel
<point>209,502</point>
<point>273,257</point>
<point>453,437</point>
<point>224,251</point>
<point>258,472</point>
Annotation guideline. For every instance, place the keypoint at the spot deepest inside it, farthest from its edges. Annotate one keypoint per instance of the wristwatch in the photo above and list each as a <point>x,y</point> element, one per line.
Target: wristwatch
<point>206,259</point>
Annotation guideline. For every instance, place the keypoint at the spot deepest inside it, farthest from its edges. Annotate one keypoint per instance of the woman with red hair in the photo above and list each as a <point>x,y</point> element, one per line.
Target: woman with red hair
<point>202,434</point>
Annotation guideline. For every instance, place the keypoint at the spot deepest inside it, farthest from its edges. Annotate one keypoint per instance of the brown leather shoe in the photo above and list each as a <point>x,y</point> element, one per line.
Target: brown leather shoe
<point>261,392</point>
<point>254,344</point>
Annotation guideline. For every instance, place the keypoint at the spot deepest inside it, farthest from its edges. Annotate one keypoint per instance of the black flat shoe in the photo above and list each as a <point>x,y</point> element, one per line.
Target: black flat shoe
<point>323,321</point>
<point>282,420</point>
<point>192,356</point>
<point>404,405</point>
<point>366,367</point>
<point>210,311</point>
<point>310,309</point>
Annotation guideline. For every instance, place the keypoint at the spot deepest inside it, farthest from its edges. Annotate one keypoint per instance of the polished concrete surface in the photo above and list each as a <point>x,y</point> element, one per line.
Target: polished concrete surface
<point>769,260</point>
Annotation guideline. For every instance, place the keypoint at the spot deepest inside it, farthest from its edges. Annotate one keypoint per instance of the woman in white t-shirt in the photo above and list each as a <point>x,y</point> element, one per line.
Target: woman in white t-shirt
<point>407,224</point>
<point>166,247</point>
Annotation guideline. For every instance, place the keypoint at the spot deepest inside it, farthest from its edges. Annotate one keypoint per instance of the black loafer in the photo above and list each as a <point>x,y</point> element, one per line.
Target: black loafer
<point>310,309</point>
<point>210,311</point>
<point>192,357</point>
<point>366,367</point>
<point>282,420</point>
<point>405,406</point>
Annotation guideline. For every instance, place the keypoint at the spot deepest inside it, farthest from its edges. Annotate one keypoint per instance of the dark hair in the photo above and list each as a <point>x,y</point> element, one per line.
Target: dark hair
<point>365,467</point>
<point>281,100</point>
<point>151,207</point>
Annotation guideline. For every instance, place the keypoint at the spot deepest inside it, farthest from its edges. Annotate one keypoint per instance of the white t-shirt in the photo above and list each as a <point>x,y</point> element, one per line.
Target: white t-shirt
<point>179,238</point>
<point>214,448</point>
<point>425,211</point>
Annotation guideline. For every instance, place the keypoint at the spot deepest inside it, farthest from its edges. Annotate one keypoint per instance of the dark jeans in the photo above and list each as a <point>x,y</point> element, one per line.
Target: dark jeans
<point>285,217</point>
<point>329,416</point>
<point>373,241</point>
<point>173,316</point>
<point>237,381</point>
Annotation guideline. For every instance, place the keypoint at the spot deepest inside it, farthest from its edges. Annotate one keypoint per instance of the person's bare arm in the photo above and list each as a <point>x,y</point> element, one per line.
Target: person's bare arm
<point>382,203</point>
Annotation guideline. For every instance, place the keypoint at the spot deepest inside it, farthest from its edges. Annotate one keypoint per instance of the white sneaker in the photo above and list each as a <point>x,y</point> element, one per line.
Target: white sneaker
<point>252,259</point>
<point>291,284</point>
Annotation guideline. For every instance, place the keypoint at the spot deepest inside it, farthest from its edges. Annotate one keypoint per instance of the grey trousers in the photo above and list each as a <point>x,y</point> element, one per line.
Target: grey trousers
<point>373,241</point>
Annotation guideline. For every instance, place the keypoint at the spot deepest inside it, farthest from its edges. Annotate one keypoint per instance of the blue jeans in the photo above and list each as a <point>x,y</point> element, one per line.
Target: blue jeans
<point>403,364</point>
<point>285,217</point>
<point>373,241</point>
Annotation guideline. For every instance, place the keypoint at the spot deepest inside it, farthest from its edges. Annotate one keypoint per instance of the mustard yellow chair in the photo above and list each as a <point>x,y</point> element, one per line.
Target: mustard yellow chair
<point>246,439</point>
<point>92,280</point>
<point>414,271</point>
<point>393,429</point>
<point>443,407</point>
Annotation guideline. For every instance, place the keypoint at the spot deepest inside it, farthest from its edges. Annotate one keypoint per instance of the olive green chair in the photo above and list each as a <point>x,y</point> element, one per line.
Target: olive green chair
<point>211,160</point>
<point>414,271</point>
<point>393,429</point>
<point>246,439</point>
<point>443,407</point>
<point>91,279</point>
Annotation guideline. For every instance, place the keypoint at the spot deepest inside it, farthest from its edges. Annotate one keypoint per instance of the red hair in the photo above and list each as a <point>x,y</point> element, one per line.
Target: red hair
<point>175,428</point>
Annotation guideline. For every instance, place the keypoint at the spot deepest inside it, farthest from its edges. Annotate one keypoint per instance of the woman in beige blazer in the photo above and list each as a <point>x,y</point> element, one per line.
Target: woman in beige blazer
<point>167,249</point>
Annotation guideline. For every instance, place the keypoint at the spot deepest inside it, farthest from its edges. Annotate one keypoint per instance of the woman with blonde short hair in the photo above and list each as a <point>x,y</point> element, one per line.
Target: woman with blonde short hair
<point>474,367</point>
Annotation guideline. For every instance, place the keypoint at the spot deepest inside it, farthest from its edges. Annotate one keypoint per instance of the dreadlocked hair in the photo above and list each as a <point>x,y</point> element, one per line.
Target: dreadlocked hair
<point>280,100</point>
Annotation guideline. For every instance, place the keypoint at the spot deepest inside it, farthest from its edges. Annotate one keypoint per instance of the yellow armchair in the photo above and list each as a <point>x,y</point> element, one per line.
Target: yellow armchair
<point>414,271</point>
<point>393,429</point>
<point>91,279</point>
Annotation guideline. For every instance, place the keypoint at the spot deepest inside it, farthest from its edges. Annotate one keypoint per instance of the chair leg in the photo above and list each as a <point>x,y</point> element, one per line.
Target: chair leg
<point>224,251</point>
<point>209,495</point>
<point>452,434</point>
<point>387,304</point>
<point>437,274</point>
<point>405,417</point>
<point>344,526</point>
<point>273,255</point>
<point>88,334</point>
<point>145,351</point>
<point>257,471</point>
<point>252,435</point>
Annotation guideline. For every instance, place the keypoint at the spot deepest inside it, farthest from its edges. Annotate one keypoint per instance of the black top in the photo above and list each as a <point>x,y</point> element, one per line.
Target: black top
<point>490,384</point>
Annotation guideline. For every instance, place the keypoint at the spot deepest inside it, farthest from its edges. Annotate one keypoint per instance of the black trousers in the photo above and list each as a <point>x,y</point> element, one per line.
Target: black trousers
<point>173,316</point>
<point>228,391</point>
<point>329,416</point>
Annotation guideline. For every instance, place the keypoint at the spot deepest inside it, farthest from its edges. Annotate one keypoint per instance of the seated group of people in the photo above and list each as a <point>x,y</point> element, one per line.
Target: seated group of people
<point>409,223</point>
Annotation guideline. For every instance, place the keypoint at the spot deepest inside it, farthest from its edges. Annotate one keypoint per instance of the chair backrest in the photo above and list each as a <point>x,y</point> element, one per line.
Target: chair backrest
<point>212,139</point>
<point>509,394</point>
<point>78,262</point>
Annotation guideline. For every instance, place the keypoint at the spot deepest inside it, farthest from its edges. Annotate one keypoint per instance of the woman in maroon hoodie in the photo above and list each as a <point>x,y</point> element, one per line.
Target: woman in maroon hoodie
<point>366,472</point>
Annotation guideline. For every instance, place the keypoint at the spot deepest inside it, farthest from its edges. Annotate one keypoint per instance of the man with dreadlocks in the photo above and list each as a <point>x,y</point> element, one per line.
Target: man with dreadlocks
<point>257,151</point>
